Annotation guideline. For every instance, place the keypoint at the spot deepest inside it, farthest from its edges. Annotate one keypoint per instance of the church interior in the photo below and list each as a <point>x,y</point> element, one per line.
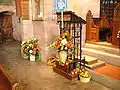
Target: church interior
<point>59,45</point>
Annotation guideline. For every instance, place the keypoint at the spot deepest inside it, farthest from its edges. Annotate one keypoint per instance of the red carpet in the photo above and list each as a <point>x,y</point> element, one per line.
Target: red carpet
<point>109,70</point>
<point>4,83</point>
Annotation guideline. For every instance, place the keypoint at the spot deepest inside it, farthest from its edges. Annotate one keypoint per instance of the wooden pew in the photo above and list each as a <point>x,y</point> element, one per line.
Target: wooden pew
<point>92,30</point>
<point>6,82</point>
<point>94,27</point>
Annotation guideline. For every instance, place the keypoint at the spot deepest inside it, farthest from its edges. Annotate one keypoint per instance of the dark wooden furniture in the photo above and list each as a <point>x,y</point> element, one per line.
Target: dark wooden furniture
<point>110,9</point>
<point>107,8</point>
<point>97,29</point>
<point>73,24</point>
<point>92,28</point>
<point>116,25</point>
<point>6,82</point>
<point>6,30</point>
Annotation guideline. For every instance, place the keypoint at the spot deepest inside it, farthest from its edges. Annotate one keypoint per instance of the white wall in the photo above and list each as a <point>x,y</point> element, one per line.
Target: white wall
<point>81,7</point>
<point>17,27</point>
<point>48,29</point>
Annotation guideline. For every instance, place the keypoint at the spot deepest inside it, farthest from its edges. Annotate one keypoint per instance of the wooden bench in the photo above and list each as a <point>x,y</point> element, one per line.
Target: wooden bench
<point>95,26</point>
<point>6,82</point>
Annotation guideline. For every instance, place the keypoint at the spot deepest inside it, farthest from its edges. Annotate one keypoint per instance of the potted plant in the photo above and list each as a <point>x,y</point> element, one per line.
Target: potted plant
<point>84,77</point>
<point>30,49</point>
<point>62,43</point>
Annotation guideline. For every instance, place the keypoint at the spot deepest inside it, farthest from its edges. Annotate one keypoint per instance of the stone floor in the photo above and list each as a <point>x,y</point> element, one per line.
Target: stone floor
<point>37,76</point>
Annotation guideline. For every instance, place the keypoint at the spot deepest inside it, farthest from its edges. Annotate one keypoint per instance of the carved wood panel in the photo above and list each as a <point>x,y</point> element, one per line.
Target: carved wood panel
<point>7,27</point>
<point>65,17</point>
<point>25,9</point>
<point>91,28</point>
<point>116,25</point>
<point>18,8</point>
<point>94,34</point>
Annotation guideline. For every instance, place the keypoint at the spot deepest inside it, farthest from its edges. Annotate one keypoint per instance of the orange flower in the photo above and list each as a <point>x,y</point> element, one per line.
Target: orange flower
<point>25,50</point>
<point>70,38</point>
<point>53,44</point>
<point>61,35</point>
<point>57,44</point>
<point>69,45</point>
<point>38,47</point>
<point>27,44</point>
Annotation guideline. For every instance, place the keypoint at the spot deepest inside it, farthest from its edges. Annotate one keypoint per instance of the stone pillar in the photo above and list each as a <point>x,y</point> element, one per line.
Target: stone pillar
<point>28,25</point>
<point>50,26</point>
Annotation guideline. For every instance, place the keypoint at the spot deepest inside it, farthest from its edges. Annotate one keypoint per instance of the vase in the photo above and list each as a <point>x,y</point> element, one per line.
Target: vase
<point>63,56</point>
<point>85,80</point>
<point>32,57</point>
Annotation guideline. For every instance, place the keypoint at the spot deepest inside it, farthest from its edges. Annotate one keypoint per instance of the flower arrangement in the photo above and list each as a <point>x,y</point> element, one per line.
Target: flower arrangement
<point>62,42</point>
<point>31,47</point>
<point>85,77</point>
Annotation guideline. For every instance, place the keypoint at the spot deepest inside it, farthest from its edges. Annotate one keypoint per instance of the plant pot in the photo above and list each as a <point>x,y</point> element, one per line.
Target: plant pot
<point>32,57</point>
<point>63,56</point>
<point>85,80</point>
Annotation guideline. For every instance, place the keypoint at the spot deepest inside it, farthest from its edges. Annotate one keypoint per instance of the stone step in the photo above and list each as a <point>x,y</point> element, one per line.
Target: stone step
<point>88,59</point>
<point>112,83</point>
<point>107,49</point>
<point>105,56</point>
<point>92,62</point>
<point>98,64</point>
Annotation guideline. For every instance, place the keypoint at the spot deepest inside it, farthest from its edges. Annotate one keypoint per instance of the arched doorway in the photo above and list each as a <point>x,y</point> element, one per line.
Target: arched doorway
<point>6,28</point>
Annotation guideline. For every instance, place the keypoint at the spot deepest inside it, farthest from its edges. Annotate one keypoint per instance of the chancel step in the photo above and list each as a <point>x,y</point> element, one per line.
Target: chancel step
<point>107,49</point>
<point>88,59</point>
<point>92,62</point>
<point>102,55</point>
<point>98,64</point>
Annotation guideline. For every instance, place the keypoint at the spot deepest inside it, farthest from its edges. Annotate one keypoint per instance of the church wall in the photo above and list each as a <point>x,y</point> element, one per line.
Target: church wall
<point>28,25</point>
<point>44,30</point>
<point>48,29</point>
<point>34,29</point>
<point>50,26</point>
